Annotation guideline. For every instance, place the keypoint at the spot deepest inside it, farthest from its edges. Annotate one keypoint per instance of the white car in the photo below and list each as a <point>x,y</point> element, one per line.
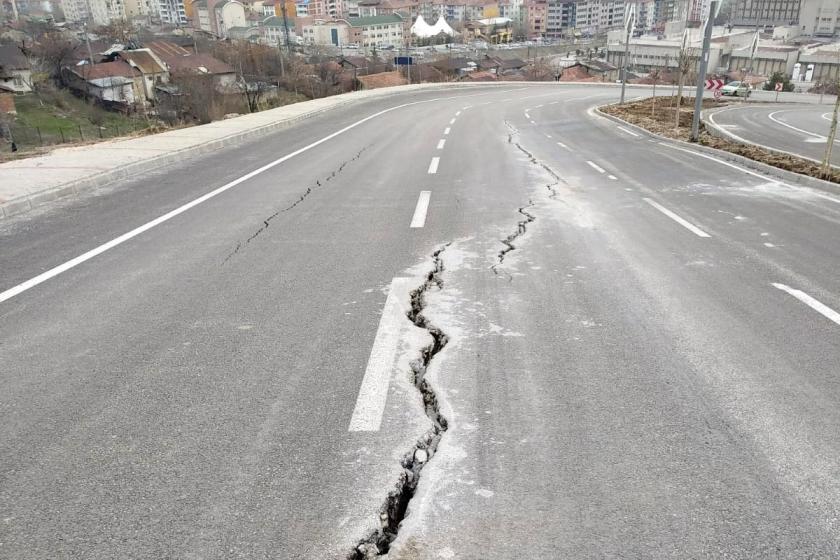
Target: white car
<point>736,89</point>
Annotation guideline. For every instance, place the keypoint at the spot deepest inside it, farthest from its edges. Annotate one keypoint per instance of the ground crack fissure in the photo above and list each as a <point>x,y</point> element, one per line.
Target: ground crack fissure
<point>395,507</point>
<point>309,190</point>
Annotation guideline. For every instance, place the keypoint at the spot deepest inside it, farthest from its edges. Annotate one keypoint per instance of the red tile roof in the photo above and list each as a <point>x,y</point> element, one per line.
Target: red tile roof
<point>105,70</point>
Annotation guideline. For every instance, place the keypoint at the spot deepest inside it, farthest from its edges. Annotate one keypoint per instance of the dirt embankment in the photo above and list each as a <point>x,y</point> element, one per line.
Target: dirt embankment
<point>660,118</point>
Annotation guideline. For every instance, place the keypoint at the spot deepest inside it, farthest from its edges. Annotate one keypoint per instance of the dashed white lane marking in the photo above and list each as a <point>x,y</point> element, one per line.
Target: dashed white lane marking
<point>446,131</point>
<point>457,113</point>
<point>452,121</point>
<point>554,103</point>
<point>373,393</point>
<point>441,142</point>
<point>684,223</point>
<point>564,146</point>
<point>434,165</point>
<point>532,122</point>
<point>630,132</point>
<point>538,106</point>
<point>548,135</point>
<point>814,304</point>
<point>613,177</point>
<point>769,245</point>
<point>527,116</point>
<point>596,167</point>
<point>419,218</point>
<point>506,100</point>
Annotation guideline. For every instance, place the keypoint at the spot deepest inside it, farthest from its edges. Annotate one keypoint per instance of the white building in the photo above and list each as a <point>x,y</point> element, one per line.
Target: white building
<point>230,13</point>
<point>819,17</point>
<point>171,12</point>
<point>96,12</point>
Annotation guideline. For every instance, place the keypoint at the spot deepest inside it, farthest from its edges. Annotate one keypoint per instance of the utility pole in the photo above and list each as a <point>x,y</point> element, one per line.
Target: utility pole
<point>701,73</point>
<point>628,24</point>
<point>825,169</point>
<point>286,27</point>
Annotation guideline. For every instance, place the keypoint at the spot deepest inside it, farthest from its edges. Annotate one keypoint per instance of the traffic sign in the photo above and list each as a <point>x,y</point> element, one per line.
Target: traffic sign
<point>403,60</point>
<point>714,85</point>
<point>718,94</point>
<point>779,86</point>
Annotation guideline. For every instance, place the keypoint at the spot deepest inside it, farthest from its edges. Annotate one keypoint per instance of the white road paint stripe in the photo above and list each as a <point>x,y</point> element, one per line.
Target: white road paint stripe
<point>538,106</point>
<point>434,165</point>
<point>533,122</point>
<point>564,146</point>
<point>613,177</point>
<point>373,393</point>
<point>457,113</point>
<point>548,135</point>
<point>684,223</point>
<point>554,103</point>
<point>419,218</point>
<point>452,121</point>
<point>441,143</point>
<point>814,304</point>
<point>72,263</point>
<point>527,116</point>
<point>630,132</point>
<point>446,131</point>
<point>596,167</point>
<point>812,192</point>
<point>772,117</point>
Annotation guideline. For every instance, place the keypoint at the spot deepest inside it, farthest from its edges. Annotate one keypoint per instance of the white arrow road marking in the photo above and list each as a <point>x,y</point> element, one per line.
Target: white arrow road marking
<point>434,165</point>
<point>373,393</point>
<point>814,304</point>
<point>419,218</point>
<point>684,223</point>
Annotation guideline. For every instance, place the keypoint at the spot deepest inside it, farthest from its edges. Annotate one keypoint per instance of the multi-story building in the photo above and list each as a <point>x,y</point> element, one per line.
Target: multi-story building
<point>765,13</point>
<point>171,12</point>
<point>698,10</point>
<point>819,17</point>
<point>96,12</point>
<point>137,8</point>
<point>377,31</point>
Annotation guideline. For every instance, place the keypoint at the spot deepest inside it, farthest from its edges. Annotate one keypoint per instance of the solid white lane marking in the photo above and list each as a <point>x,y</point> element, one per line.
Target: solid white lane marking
<point>613,177</point>
<point>812,192</point>
<point>419,218</point>
<point>772,117</point>
<point>434,165</point>
<point>564,146</point>
<point>684,223</point>
<point>446,131</point>
<point>814,304</point>
<point>373,393</point>
<point>441,142</point>
<point>452,121</point>
<point>630,132</point>
<point>596,167</point>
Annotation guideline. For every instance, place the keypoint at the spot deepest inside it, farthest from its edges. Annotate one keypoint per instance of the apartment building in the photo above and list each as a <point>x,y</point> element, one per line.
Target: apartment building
<point>765,13</point>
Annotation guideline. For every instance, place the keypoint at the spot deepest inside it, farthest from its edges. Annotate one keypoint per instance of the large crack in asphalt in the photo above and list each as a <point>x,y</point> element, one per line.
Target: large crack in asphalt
<point>309,190</point>
<point>521,228</point>
<point>395,507</point>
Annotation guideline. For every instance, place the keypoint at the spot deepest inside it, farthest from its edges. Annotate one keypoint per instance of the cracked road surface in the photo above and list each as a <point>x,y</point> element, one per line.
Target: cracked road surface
<point>582,344</point>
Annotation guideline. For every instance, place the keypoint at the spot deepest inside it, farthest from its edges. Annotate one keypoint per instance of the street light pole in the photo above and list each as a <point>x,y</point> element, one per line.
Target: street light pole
<point>825,170</point>
<point>701,73</point>
<point>628,23</point>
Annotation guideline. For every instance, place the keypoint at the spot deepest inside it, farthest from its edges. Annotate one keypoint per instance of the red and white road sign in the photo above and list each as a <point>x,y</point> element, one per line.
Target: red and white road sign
<point>779,86</point>
<point>714,85</point>
<point>718,94</point>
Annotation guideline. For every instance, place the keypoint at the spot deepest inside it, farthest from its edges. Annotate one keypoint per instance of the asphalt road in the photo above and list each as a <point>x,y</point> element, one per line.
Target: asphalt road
<point>645,367</point>
<point>798,129</point>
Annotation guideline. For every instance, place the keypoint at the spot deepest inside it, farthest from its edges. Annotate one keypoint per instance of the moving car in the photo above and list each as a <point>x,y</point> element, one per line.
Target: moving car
<point>736,89</point>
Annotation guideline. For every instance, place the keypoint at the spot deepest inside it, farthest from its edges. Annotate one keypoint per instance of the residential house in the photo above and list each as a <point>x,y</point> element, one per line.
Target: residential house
<point>151,68</point>
<point>114,84</point>
<point>589,71</point>
<point>228,14</point>
<point>15,70</point>
<point>382,79</point>
<point>273,30</point>
<point>181,62</point>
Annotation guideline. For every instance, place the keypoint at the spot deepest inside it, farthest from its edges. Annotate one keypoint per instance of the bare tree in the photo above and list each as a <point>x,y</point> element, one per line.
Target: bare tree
<point>55,51</point>
<point>685,61</point>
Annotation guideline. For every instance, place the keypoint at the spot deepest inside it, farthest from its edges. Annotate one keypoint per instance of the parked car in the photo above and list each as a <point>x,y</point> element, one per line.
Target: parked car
<point>736,89</point>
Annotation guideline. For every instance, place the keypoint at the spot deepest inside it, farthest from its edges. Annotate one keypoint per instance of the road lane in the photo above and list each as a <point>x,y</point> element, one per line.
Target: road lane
<point>800,130</point>
<point>640,390</point>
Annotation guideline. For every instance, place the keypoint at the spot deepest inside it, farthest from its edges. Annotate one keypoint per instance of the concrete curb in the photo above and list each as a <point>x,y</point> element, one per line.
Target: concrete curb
<point>769,170</point>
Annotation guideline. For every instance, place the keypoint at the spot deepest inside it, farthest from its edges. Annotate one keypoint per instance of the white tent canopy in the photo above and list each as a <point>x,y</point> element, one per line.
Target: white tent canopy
<point>422,29</point>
